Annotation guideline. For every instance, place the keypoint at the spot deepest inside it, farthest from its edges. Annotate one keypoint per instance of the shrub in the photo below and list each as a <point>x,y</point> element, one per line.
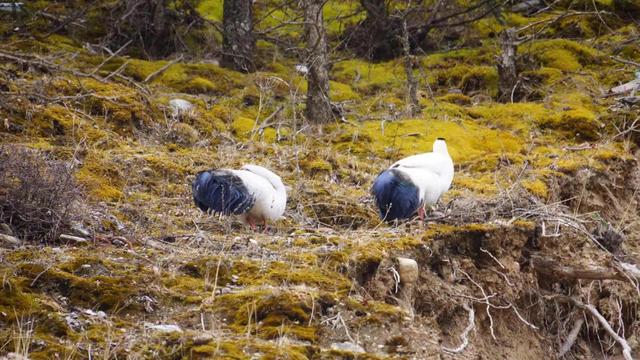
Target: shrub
<point>37,193</point>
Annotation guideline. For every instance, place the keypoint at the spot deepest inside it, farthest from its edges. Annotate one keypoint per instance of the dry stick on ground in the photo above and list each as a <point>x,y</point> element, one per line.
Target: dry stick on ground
<point>624,61</point>
<point>162,69</point>
<point>465,334</point>
<point>571,338</point>
<point>626,349</point>
<point>111,56</point>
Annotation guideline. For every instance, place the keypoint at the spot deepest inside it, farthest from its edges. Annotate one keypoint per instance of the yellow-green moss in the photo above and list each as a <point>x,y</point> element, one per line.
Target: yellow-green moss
<point>562,54</point>
<point>369,78</point>
<point>242,127</point>
<point>466,140</point>
<point>517,116</point>
<point>315,166</point>
<point>102,179</point>
<point>341,92</point>
<point>211,9</point>
<point>578,122</point>
<point>183,134</point>
<point>466,78</point>
<point>458,99</point>
<point>536,187</point>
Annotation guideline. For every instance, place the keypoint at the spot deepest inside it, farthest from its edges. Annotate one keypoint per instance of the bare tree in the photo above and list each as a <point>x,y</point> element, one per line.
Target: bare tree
<point>379,35</point>
<point>413,106</point>
<point>507,70</point>
<point>239,40</point>
<point>318,105</point>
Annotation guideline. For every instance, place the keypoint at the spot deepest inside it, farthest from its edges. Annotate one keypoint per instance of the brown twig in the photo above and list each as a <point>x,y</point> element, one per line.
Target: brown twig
<point>556,270</point>
<point>626,349</point>
<point>162,69</point>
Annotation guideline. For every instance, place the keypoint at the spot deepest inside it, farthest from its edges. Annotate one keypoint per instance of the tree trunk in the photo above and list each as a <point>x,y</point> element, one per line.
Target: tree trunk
<point>239,41</point>
<point>318,105</point>
<point>507,71</point>
<point>413,106</point>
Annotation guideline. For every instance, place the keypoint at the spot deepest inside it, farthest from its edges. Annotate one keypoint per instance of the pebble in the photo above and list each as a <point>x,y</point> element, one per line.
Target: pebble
<point>302,69</point>
<point>7,241</point>
<point>348,346</point>
<point>167,328</point>
<point>6,229</point>
<point>408,270</point>
<point>180,106</point>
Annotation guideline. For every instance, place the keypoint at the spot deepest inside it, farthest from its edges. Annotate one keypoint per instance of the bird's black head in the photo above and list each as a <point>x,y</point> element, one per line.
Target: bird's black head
<point>440,138</point>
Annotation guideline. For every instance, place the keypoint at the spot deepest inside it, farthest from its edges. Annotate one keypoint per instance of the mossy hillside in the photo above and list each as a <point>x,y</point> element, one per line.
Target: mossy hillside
<point>266,295</point>
<point>467,141</point>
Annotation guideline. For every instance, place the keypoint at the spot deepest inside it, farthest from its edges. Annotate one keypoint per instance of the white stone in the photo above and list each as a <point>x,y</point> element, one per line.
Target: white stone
<point>180,106</point>
<point>408,270</point>
<point>348,346</point>
<point>302,69</point>
<point>167,328</point>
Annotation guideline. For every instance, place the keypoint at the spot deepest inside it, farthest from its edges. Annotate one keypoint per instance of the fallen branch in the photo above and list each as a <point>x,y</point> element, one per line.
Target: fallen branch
<point>465,334</point>
<point>162,69</point>
<point>572,337</point>
<point>557,270</point>
<point>625,61</point>
<point>76,239</point>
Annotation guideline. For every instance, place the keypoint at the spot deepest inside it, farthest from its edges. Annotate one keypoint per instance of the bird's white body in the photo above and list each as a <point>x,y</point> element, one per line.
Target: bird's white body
<point>268,190</point>
<point>431,172</point>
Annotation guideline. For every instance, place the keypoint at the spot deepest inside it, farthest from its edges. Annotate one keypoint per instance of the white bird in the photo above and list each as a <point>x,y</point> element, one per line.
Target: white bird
<point>254,193</point>
<point>413,183</point>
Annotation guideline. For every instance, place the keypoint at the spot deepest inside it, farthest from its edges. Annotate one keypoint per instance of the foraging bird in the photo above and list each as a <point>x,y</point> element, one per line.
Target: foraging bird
<point>414,182</point>
<point>254,193</point>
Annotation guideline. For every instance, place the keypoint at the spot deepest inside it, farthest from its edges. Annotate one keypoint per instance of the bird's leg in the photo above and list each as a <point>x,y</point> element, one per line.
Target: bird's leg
<point>251,223</point>
<point>264,223</point>
<point>421,213</point>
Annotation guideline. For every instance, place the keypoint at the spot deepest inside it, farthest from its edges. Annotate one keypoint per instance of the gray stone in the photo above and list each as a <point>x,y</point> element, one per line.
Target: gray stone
<point>180,106</point>
<point>9,242</point>
<point>6,229</point>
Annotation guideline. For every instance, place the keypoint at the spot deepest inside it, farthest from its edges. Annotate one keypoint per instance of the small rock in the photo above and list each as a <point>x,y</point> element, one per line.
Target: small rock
<point>302,69</point>
<point>167,328</point>
<point>14,356</point>
<point>79,230</point>
<point>6,229</point>
<point>73,322</point>
<point>630,100</point>
<point>202,340</point>
<point>348,346</point>
<point>9,242</point>
<point>408,270</point>
<point>180,106</point>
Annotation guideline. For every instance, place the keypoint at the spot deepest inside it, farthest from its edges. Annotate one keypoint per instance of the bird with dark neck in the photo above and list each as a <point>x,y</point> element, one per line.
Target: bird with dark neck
<point>413,183</point>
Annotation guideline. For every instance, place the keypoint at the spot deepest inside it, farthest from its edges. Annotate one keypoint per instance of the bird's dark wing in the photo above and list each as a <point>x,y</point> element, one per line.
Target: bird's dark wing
<point>222,192</point>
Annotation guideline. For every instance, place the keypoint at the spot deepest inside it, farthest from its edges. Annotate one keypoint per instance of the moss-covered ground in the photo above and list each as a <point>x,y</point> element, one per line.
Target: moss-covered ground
<point>323,274</point>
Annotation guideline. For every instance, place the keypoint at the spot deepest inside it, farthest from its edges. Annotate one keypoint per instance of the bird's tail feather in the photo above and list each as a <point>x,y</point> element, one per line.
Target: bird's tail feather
<point>221,192</point>
<point>396,196</point>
